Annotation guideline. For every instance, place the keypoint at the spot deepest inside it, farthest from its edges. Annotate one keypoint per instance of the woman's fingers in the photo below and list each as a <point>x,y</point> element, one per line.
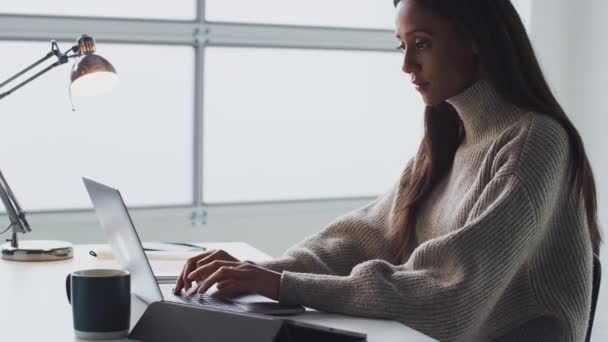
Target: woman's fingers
<point>223,273</point>
<point>216,255</point>
<point>208,269</point>
<point>199,260</point>
<point>241,277</point>
<point>230,289</point>
<point>225,283</point>
<point>190,264</point>
<point>232,282</point>
<point>182,282</point>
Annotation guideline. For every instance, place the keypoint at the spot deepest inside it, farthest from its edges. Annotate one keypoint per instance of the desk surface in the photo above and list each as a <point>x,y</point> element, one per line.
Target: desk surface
<point>33,304</point>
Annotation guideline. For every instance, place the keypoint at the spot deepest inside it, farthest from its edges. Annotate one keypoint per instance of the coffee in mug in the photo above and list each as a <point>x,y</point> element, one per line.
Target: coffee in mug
<point>101,303</point>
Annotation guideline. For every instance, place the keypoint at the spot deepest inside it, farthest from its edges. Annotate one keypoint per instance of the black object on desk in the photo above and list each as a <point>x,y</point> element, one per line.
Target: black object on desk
<point>167,321</point>
<point>101,302</point>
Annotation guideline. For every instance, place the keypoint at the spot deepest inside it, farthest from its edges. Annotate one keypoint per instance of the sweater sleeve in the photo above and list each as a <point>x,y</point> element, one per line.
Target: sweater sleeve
<point>356,237</point>
<point>344,243</point>
<point>450,283</point>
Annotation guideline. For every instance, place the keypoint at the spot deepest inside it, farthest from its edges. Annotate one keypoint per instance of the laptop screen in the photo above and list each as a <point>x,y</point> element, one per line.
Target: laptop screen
<point>123,239</point>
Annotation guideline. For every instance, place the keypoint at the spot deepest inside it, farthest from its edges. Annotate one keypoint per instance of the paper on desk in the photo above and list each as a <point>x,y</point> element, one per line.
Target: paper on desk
<point>105,254</point>
<point>164,264</point>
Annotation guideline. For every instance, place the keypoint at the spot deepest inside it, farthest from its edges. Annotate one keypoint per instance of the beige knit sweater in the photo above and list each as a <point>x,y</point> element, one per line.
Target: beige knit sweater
<point>502,251</point>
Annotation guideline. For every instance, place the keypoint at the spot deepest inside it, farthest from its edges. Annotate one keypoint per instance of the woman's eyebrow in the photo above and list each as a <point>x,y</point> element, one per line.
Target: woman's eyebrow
<point>417,30</point>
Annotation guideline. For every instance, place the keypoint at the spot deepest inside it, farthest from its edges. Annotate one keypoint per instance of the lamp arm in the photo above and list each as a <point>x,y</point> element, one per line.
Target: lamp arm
<point>10,211</point>
<point>18,222</point>
<point>5,94</point>
<point>48,55</point>
<point>62,59</point>
<point>12,197</point>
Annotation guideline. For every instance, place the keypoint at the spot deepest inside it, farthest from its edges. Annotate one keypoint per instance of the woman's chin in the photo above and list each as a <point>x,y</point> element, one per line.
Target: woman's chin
<point>429,100</point>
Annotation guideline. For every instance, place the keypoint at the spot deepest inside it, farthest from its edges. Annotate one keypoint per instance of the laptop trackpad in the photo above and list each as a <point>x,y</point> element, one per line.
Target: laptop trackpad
<point>260,304</point>
<point>273,308</point>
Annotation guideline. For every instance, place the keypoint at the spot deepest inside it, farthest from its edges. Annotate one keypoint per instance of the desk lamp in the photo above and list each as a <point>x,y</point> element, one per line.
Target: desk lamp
<point>91,75</point>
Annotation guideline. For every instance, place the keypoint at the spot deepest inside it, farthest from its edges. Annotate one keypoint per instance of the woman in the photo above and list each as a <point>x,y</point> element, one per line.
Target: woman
<point>490,232</point>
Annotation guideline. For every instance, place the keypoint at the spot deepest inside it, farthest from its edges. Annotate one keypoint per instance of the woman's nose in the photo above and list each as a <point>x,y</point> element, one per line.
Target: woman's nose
<point>410,64</point>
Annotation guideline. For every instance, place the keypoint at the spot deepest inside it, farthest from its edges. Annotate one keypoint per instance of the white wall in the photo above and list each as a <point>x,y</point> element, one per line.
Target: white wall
<point>569,37</point>
<point>587,86</point>
<point>548,30</point>
<point>587,77</point>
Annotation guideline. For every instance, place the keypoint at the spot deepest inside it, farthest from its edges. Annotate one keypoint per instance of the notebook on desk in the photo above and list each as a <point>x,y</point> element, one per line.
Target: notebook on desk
<point>167,264</point>
<point>169,258</point>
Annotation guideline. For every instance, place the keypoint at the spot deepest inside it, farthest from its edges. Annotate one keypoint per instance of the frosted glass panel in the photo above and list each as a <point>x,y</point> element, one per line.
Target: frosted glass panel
<point>335,13</point>
<point>303,124</point>
<point>137,138</point>
<point>160,9</point>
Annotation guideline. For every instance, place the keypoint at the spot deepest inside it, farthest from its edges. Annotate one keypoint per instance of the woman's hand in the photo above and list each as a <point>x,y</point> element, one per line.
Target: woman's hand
<point>197,261</point>
<point>234,277</point>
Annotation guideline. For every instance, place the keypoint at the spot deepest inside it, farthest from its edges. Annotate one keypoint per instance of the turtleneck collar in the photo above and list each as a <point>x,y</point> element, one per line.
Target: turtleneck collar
<point>484,113</point>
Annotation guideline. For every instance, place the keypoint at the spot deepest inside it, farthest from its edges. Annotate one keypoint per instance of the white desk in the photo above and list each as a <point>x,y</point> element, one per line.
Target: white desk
<point>34,307</point>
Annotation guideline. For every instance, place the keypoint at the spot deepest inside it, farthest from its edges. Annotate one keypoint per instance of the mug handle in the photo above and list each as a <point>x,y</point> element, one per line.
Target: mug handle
<point>68,287</point>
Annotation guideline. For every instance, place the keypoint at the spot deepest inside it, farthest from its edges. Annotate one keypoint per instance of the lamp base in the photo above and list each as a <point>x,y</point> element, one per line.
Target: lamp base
<point>41,250</point>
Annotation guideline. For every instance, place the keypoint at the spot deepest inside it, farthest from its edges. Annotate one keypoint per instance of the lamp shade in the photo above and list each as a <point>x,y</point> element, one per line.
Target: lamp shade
<point>93,75</point>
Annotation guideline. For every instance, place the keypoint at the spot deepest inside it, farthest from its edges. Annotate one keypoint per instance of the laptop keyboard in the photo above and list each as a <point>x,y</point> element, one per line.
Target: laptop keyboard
<point>206,301</point>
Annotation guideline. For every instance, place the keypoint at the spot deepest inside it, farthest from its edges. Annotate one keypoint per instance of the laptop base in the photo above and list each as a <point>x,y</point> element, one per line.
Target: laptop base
<point>167,321</point>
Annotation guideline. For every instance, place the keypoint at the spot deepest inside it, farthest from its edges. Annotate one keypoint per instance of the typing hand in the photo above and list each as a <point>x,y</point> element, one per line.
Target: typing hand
<point>234,277</point>
<point>197,261</point>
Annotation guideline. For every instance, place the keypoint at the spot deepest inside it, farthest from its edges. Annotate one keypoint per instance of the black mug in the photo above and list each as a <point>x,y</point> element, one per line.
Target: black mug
<point>101,303</point>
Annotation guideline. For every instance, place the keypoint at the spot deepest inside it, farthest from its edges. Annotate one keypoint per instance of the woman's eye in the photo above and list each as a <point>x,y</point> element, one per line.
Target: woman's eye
<point>421,44</point>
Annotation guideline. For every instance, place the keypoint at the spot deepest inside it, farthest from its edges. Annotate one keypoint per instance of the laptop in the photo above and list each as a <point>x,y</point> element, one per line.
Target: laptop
<point>129,253</point>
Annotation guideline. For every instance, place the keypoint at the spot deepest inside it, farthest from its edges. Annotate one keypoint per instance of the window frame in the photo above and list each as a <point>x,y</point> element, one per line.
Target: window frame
<point>199,34</point>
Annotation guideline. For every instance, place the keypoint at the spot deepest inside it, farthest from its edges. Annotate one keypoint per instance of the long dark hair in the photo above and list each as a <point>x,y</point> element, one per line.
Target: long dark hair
<point>509,64</point>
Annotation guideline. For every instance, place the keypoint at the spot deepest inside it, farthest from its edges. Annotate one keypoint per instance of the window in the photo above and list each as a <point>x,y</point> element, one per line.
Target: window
<point>284,124</point>
<point>335,13</point>
<point>148,9</point>
<point>207,113</point>
<point>137,138</point>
